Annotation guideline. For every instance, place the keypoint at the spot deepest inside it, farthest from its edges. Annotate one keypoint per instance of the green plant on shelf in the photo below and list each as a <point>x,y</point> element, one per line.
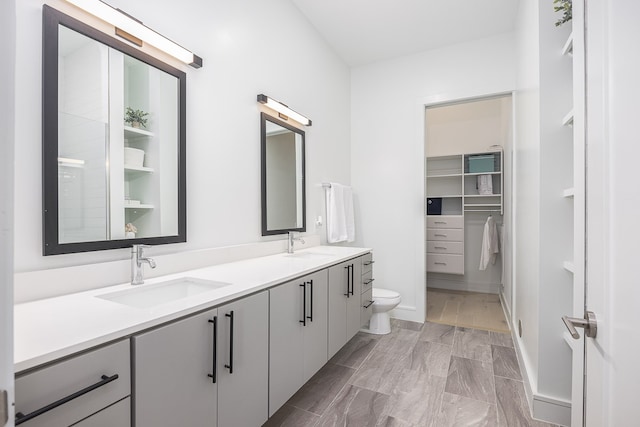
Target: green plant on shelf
<point>136,118</point>
<point>563,6</point>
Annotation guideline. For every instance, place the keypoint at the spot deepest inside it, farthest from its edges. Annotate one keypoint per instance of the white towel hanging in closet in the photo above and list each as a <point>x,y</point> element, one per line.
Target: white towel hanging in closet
<point>490,246</point>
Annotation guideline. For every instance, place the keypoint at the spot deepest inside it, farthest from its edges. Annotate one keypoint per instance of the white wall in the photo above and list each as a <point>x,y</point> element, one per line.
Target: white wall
<point>242,56</point>
<point>543,218</point>
<point>7,99</point>
<point>387,148</point>
<point>527,183</point>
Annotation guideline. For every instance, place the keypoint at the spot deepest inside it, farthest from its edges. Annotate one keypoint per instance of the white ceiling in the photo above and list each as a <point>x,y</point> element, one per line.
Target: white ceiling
<point>365,31</point>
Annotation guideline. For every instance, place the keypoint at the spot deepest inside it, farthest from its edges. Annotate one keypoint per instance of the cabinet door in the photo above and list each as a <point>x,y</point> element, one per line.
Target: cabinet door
<point>315,332</point>
<point>286,342</point>
<point>243,361</point>
<point>171,368</point>
<point>354,301</point>
<point>338,291</point>
<point>118,414</point>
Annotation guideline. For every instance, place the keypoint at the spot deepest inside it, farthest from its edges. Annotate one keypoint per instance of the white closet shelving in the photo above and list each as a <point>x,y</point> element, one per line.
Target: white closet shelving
<point>453,182</point>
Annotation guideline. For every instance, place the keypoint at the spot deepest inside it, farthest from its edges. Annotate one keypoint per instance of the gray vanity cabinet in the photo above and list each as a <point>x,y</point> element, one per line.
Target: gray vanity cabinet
<point>298,335</point>
<point>175,383</point>
<point>345,288</point>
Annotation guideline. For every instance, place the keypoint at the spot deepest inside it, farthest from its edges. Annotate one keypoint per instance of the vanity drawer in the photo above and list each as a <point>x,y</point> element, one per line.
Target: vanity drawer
<point>104,372</point>
<point>367,263</point>
<point>445,247</point>
<point>445,263</point>
<point>451,235</point>
<point>366,309</point>
<point>445,221</point>
<point>367,281</point>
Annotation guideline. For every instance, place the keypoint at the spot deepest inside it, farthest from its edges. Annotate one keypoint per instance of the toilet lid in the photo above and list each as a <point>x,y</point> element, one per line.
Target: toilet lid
<point>384,293</point>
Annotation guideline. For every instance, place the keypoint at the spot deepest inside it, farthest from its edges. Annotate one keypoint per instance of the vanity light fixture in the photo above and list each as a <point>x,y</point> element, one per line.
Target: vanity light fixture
<point>283,110</point>
<point>127,24</point>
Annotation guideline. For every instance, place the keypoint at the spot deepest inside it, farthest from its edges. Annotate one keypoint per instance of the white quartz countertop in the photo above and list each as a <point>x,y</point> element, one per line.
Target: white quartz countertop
<point>48,329</point>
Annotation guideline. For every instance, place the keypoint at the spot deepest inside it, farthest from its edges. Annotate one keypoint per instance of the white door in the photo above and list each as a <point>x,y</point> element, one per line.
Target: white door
<point>612,373</point>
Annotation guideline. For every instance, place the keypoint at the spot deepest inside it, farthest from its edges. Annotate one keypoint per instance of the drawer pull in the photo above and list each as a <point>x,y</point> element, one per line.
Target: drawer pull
<point>369,262</point>
<point>21,418</point>
<point>440,235</point>
<point>440,247</point>
<point>368,305</point>
<point>439,222</point>
<point>367,282</point>
<point>440,263</point>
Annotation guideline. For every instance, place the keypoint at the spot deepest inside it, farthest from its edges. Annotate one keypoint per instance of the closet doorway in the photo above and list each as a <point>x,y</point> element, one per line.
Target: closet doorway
<point>468,147</point>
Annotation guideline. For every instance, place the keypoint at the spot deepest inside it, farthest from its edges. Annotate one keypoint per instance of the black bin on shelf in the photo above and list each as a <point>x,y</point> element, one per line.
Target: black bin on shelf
<point>434,206</point>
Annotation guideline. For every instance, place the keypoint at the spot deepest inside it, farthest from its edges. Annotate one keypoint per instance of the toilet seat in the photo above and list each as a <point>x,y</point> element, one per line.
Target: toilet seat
<point>384,294</point>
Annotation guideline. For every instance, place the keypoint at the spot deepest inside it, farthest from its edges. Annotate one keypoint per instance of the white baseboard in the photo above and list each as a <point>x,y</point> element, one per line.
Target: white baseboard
<point>551,410</point>
<point>406,312</point>
<point>543,408</point>
<point>453,285</point>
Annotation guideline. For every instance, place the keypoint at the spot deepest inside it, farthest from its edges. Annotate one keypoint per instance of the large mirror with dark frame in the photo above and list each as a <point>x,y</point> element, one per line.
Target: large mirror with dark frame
<point>113,142</point>
<point>283,181</point>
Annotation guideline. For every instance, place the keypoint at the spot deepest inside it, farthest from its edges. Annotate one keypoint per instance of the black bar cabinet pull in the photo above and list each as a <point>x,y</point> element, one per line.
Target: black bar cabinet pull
<point>352,281</point>
<point>304,304</point>
<point>310,316</point>
<point>369,262</point>
<point>369,305</point>
<point>348,267</point>
<point>369,281</point>
<point>214,364</point>
<point>21,418</point>
<point>230,365</point>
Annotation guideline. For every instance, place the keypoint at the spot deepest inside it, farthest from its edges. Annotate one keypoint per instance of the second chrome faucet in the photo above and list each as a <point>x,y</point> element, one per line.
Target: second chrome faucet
<point>137,259</point>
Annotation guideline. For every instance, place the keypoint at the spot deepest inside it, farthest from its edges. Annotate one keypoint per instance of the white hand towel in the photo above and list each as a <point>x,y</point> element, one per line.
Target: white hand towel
<point>340,221</point>
<point>485,184</point>
<point>490,247</point>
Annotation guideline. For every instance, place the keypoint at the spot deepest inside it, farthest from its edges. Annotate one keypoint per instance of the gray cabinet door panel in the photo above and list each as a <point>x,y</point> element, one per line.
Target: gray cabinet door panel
<point>354,300</point>
<point>285,343</point>
<point>171,383</point>
<point>337,308</point>
<point>315,333</point>
<point>243,394</point>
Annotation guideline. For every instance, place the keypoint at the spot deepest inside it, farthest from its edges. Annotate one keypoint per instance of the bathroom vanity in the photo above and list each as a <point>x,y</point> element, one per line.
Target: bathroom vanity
<point>221,346</point>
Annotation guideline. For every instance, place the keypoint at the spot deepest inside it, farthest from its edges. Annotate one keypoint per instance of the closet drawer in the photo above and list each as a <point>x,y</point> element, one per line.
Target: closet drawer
<point>367,263</point>
<point>366,309</point>
<point>43,387</point>
<point>444,247</point>
<point>445,263</point>
<point>451,235</point>
<point>445,221</point>
<point>367,282</point>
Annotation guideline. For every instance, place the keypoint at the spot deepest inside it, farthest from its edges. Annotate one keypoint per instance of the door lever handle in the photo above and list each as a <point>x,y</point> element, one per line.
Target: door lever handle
<point>589,323</point>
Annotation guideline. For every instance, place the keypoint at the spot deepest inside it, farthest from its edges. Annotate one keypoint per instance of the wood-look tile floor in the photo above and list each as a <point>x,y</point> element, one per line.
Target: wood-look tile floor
<point>466,309</point>
<point>419,375</point>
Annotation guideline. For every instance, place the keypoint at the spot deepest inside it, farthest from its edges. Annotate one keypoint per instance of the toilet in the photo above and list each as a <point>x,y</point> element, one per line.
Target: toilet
<point>384,300</point>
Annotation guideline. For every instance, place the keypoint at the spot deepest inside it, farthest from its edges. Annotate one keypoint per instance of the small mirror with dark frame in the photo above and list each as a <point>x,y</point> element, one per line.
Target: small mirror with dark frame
<point>114,165</point>
<point>283,177</point>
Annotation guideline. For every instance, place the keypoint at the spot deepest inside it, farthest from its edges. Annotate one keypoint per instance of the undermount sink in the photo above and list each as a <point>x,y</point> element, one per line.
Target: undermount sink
<point>148,296</point>
<point>308,255</point>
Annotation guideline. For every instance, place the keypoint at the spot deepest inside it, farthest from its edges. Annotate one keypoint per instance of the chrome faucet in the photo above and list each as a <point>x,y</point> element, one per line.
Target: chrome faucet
<point>290,240</point>
<point>137,258</point>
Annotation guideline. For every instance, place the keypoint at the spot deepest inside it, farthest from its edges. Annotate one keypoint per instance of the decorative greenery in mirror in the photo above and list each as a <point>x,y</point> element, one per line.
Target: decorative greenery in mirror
<point>283,180</point>
<point>113,142</point>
